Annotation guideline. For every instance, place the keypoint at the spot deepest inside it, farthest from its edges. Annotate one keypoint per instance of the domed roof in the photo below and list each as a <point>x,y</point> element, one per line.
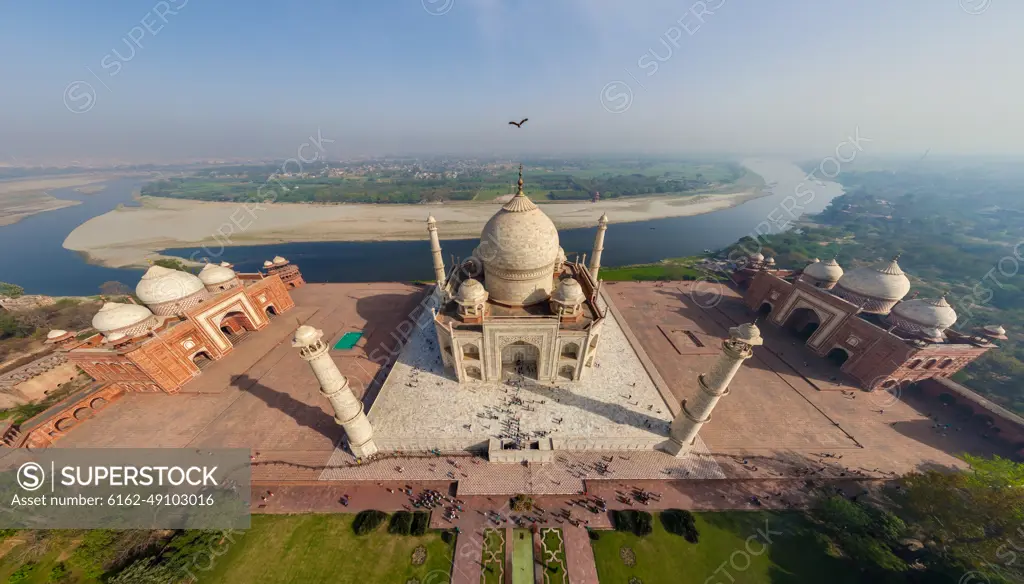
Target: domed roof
<point>114,315</point>
<point>306,335</point>
<point>770,261</point>
<point>929,313</point>
<point>826,271</point>
<point>886,283</point>
<point>267,264</point>
<point>278,260</point>
<point>757,256</point>
<point>995,330</point>
<point>471,291</point>
<point>213,274</point>
<point>519,237</point>
<point>161,285</point>
<point>56,334</point>
<point>569,292</point>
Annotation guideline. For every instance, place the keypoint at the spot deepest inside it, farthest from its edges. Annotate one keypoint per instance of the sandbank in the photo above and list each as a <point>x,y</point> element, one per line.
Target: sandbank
<point>128,236</point>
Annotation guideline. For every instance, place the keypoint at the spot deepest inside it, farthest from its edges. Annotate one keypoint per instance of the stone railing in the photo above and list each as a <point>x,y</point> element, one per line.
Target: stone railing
<point>26,372</point>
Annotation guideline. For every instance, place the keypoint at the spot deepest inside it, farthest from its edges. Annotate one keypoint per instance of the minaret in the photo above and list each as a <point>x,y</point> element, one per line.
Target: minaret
<point>595,257</point>
<point>435,250</point>
<point>348,411</point>
<point>713,385</point>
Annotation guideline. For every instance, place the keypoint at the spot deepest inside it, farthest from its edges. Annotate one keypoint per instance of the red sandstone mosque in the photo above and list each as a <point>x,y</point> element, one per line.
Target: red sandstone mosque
<point>187,321</point>
<point>860,320</point>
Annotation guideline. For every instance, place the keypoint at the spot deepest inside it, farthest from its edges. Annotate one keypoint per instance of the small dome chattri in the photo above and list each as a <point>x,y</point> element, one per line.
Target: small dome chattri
<point>826,271</point>
<point>56,334</point>
<point>213,274</point>
<point>926,313</point>
<point>278,260</point>
<point>471,291</point>
<point>160,284</point>
<point>569,292</point>
<point>267,264</point>
<point>306,335</point>
<point>114,316</point>
<point>886,283</point>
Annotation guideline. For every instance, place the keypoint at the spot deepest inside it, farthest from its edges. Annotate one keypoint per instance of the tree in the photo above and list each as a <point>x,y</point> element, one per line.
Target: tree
<point>973,520</point>
<point>11,290</point>
<point>171,264</point>
<point>114,288</point>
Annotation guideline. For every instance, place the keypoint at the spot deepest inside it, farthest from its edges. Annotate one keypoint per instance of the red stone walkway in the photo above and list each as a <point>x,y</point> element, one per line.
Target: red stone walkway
<point>579,556</point>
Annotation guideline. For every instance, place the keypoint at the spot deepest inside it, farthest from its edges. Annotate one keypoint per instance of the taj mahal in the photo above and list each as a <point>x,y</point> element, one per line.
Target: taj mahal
<point>506,361</point>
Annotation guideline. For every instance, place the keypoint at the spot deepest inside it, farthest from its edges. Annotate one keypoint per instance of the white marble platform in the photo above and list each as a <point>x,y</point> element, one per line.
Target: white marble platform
<point>616,407</point>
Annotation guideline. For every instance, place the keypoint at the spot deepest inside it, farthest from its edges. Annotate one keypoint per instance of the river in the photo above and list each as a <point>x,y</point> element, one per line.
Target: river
<point>34,258</point>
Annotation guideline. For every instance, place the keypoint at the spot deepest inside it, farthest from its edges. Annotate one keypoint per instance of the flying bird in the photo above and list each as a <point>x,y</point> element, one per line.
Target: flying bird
<point>518,124</point>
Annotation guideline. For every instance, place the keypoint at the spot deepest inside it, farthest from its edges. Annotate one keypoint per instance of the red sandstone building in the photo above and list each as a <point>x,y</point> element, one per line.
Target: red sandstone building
<point>859,320</point>
<point>285,270</point>
<point>186,323</point>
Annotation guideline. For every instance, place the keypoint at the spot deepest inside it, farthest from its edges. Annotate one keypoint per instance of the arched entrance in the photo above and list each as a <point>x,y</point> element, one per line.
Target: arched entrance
<point>804,322</point>
<point>765,309</point>
<point>202,359</point>
<point>271,311</point>
<point>236,325</point>
<point>838,356</point>
<point>520,358</point>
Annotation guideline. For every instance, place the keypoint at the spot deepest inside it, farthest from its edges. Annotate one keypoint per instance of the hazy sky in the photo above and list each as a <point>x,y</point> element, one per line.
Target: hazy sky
<point>240,78</point>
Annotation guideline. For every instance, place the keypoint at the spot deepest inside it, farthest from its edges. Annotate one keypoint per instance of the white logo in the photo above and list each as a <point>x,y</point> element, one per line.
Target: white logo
<point>79,97</point>
<point>975,6</point>
<point>706,292</point>
<point>437,7</point>
<point>31,476</point>
<point>616,97</point>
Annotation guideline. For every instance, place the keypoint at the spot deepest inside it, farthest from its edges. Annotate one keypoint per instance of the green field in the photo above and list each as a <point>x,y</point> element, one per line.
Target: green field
<point>323,548</point>
<point>522,556</point>
<point>391,183</point>
<point>730,545</point>
<point>670,269</point>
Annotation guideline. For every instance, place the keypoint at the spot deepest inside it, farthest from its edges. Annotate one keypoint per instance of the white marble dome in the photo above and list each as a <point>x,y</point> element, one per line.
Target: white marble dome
<point>757,256</point>
<point>518,247</point>
<point>886,283</point>
<point>826,271</point>
<point>267,264</point>
<point>278,260</point>
<point>56,334</point>
<point>926,313</point>
<point>569,292</point>
<point>306,336</point>
<point>470,292</point>
<point>160,285</point>
<point>212,274</point>
<point>114,316</point>
<point>519,237</point>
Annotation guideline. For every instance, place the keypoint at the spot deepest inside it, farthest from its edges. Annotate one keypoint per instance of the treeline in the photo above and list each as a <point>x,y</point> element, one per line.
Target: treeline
<point>254,183</point>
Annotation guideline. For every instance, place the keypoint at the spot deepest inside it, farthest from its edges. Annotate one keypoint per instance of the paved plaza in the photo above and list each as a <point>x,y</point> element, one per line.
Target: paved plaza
<point>615,407</point>
<point>784,417</point>
<point>787,407</point>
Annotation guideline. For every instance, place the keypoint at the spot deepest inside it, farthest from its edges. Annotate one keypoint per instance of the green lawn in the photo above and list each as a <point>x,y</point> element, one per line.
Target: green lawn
<point>671,269</point>
<point>553,541</point>
<point>322,548</point>
<point>522,556</point>
<point>494,571</point>
<point>724,551</point>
